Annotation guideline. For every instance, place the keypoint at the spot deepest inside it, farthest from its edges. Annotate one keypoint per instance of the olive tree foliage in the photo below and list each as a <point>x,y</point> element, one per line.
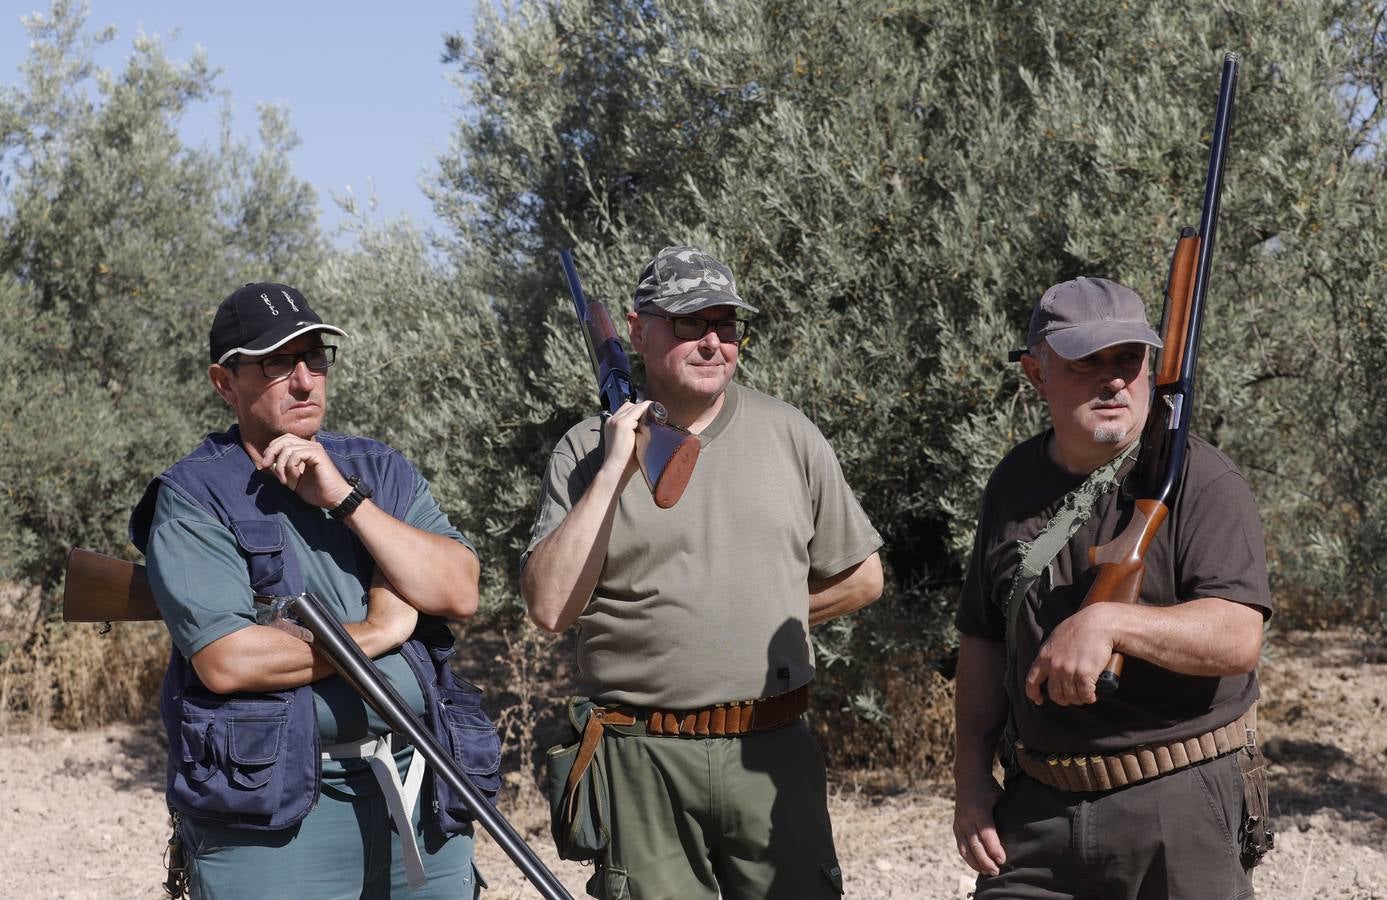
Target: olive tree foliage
<point>116,242</point>
<point>427,370</point>
<point>895,184</point>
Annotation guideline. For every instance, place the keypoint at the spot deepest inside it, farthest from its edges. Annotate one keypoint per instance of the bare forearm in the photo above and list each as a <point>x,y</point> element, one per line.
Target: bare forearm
<point>562,571</point>
<point>435,574</point>
<point>846,592</point>
<point>261,658</point>
<point>1208,636</point>
<point>980,713</point>
<point>980,707</point>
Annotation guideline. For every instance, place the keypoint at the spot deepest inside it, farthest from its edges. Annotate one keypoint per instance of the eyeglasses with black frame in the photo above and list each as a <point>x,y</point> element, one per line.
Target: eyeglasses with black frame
<point>692,328</point>
<point>279,365</point>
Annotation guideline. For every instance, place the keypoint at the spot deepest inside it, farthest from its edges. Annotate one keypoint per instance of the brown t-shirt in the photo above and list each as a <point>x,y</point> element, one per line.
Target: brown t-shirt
<point>708,601</point>
<point>1210,546</point>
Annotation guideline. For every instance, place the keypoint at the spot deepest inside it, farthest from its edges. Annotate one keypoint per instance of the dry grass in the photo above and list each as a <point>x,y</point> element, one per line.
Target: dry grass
<point>70,675</point>
<point>917,741</point>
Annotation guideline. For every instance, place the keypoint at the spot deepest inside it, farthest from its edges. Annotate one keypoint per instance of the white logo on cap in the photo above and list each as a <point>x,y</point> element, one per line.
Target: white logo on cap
<point>291,301</point>
<point>266,298</point>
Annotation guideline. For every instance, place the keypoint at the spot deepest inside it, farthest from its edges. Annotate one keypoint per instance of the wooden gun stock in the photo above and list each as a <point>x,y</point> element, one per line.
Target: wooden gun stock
<point>1121,568</point>
<point>1178,295</point>
<point>101,588</point>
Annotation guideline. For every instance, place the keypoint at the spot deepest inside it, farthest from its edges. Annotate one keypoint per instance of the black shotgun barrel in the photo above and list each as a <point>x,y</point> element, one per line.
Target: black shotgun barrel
<point>610,365</point>
<point>1161,459</point>
<point>363,676</point>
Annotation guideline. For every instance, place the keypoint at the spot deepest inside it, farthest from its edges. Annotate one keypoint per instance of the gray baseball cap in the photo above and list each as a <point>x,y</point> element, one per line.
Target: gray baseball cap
<point>683,280</point>
<point>1080,317</point>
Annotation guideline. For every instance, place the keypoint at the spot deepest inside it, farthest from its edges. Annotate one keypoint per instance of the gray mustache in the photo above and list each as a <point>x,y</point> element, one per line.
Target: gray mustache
<point>1121,401</point>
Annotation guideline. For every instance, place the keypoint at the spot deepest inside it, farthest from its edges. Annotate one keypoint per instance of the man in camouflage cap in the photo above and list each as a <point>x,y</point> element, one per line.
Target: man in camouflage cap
<point>694,620</point>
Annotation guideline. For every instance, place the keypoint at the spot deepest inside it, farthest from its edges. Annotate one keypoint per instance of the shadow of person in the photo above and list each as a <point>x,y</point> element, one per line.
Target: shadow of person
<point>784,845</point>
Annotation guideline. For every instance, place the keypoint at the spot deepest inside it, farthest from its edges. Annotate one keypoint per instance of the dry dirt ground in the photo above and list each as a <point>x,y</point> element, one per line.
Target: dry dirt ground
<point>81,814</point>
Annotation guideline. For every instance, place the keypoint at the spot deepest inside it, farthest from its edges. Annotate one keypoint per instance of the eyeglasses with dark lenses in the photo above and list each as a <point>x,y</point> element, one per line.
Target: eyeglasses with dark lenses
<point>692,328</point>
<point>279,365</point>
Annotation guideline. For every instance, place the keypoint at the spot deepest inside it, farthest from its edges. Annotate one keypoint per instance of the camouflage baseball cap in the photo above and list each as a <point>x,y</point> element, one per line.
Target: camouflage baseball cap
<point>1080,317</point>
<point>682,280</point>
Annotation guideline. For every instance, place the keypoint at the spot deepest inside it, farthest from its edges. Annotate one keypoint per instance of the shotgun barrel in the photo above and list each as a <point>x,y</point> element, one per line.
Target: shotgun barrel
<point>1155,478</point>
<point>346,657</point>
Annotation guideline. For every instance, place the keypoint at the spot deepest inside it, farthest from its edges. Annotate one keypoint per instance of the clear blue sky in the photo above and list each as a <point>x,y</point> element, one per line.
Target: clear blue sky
<point>371,102</point>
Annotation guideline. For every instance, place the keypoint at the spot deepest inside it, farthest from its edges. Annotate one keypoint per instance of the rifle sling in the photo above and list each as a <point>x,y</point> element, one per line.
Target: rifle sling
<point>1036,555</point>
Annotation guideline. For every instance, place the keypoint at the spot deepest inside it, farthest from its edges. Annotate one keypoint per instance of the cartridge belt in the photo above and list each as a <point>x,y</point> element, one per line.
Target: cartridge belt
<point>725,719</point>
<point>1105,772</point>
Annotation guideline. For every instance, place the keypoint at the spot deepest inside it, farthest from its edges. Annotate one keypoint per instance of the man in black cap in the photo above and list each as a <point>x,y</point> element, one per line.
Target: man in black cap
<point>1141,793</point>
<point>693,621</point>
<point>282,781</point>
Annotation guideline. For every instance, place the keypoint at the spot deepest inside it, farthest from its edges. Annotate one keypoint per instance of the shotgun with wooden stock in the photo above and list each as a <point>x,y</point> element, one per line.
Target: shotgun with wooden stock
<point>1155,478</point>
<point>101,588</point>
<point>666,453</point>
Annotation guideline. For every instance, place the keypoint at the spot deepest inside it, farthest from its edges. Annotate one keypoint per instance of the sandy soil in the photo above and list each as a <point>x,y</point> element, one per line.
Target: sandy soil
<point>81,814</point>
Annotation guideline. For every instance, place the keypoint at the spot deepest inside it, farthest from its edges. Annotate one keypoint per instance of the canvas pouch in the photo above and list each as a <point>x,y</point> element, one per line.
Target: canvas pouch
<point>579,814</point>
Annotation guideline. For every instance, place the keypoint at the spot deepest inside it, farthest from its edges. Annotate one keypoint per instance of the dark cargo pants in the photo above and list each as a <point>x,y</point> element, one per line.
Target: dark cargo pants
<point>747,816</point>
<point>1175,836</point>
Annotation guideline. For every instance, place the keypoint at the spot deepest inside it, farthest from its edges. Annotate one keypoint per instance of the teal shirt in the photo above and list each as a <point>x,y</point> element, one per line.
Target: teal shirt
<point>203,591</point>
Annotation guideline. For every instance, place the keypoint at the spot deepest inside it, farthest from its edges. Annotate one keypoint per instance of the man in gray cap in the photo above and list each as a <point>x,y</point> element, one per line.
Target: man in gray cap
<point>1140,793</point>
<point>694,621</point>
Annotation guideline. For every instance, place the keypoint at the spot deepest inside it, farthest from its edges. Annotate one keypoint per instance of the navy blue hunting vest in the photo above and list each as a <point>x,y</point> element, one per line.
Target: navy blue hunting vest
<point>252,760</point>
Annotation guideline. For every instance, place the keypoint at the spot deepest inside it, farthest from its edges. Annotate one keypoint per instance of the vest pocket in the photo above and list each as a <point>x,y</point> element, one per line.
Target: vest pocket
<point>262,543</point>
<point>232,759</point>
<point>473,743</point>
<point>253,746</point>
<point>197,752</point>
<point>477,748</point>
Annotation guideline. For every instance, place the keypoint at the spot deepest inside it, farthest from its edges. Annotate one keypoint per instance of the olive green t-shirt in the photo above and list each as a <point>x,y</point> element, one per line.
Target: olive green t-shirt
<point>203,591</point>
<point>1210,546</point>
<point>708,601</point>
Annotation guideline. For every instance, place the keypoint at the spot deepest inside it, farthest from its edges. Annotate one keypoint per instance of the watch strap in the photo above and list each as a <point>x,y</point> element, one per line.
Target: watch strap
<point>360,491</point>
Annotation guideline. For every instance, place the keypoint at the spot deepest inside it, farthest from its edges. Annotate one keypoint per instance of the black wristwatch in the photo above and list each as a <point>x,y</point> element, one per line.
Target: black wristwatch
<point>360,491</point>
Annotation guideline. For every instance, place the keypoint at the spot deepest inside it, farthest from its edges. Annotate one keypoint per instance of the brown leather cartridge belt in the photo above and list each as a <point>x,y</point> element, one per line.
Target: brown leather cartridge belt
<point>1106,772</point>
<point>726,719</point>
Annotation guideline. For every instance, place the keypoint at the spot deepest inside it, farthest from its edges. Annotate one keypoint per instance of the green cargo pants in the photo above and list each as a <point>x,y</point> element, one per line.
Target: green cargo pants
<point>691,817</point>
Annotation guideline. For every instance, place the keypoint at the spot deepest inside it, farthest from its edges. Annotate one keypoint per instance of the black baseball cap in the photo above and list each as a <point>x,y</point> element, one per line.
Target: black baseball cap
<point>260,318</point>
